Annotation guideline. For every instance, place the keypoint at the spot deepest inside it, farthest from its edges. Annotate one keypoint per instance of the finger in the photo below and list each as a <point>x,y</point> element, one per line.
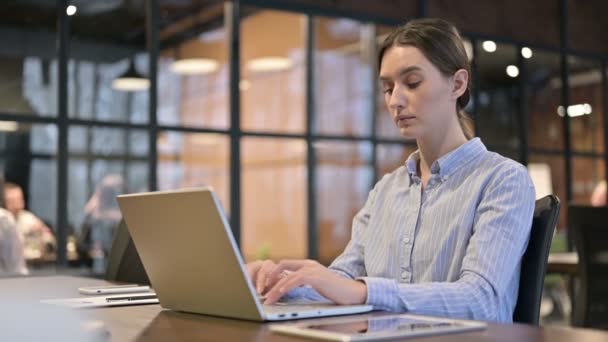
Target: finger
<point>287,265</point>
<point>283,286</point>
<point>252,269</point>
<point>262,276</point>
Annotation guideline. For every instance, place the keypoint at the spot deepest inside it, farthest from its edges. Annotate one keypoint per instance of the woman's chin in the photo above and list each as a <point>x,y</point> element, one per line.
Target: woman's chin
<point>408,133</point>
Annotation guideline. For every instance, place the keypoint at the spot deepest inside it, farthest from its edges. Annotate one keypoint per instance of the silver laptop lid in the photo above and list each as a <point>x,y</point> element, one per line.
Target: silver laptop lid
<point>190,255</point>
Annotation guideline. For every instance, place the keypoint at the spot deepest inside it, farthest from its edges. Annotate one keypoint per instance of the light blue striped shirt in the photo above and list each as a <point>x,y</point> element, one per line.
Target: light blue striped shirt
<point>452,250</point>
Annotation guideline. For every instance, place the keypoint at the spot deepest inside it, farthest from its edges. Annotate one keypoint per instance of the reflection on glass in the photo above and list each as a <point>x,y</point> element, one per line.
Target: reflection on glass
<point>344,177</point>
<point>585,107</point>
<point>392,156</point>
<point>193,82</point>
<point>543,97</point>
<point>193,160</point>
<point>274,209</point>
<point>498,96</point>
<point>548,173</point>
<point>343,77</point>
<point>273,72</point>
<point>587,173</point>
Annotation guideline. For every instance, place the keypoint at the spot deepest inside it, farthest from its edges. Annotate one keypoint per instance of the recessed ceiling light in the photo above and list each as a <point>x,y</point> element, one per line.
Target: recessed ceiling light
<point>265,64</point>
<point>71,10</point>
<point>526,52</point>
<point>193,66</point>
<point>512,71</point>
<point>489,46</point>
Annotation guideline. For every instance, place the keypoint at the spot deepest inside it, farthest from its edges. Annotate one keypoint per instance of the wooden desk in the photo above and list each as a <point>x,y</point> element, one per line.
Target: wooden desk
<point>563,263</point>
<point>152,323</point>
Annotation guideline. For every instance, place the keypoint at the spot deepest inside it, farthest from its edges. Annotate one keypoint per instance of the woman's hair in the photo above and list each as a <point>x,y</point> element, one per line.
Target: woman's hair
<point>441,44</point>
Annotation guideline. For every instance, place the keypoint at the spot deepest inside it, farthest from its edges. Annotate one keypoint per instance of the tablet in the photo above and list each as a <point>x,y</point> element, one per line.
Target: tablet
<point>113,289</point>
<point>376,327</point>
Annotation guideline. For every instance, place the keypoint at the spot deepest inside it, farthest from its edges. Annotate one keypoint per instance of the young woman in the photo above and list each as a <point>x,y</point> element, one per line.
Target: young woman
<point>443,234</point>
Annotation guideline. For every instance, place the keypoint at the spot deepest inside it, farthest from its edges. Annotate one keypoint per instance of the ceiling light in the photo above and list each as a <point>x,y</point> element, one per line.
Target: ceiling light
<point>575,110</point>
<point>489,46</point>
<point>193,66</point>
<point>265,64</point>
<point>71,10</point>
<point>526,52</point>
<point>8,126</point>
<point>131,80</point>
<point>512,71</point>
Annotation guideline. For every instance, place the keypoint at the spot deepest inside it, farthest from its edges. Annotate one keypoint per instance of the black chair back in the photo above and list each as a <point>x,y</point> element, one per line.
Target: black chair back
<point>589,226</point>
<point>534,261</point>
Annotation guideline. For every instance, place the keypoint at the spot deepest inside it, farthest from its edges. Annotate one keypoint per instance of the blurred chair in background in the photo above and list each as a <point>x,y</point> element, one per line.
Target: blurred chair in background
<point>589,226</point>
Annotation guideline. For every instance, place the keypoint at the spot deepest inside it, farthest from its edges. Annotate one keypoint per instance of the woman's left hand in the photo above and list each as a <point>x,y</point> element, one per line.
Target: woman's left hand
<point>290,274</point>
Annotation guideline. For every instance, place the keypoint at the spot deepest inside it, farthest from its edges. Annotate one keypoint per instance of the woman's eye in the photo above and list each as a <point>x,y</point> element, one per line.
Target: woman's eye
<point>387,90</point>
<point>413,85</point>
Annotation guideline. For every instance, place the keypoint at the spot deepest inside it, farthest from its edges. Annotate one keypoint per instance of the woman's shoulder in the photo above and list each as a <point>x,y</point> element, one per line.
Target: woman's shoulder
<point>500,167</point>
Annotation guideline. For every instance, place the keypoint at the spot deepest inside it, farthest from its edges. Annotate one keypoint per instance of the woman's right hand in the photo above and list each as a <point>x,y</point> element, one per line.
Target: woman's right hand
<point>258,272</point>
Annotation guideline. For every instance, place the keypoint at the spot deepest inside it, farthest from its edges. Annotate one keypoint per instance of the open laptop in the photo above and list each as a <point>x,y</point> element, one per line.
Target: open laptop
<point>187,248</point>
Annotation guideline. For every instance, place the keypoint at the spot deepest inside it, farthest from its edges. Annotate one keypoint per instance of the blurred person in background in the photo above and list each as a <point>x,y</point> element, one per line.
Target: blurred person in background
<point>102,217</point>
<point>12,260</point>
<point>38,240</point>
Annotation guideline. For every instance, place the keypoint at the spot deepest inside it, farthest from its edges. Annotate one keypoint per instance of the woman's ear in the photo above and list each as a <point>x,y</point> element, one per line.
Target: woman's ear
<point>460,83</point>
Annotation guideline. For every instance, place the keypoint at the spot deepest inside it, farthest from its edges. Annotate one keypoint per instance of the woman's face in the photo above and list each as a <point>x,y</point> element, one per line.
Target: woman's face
<point>419,98</point>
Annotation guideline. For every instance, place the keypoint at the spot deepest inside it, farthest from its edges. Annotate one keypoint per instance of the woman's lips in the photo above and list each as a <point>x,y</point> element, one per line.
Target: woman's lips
<point>405,119</point>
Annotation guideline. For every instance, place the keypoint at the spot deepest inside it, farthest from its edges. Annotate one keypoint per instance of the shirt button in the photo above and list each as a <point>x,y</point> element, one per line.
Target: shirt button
<point>404,274</point>
<point>406,240</point>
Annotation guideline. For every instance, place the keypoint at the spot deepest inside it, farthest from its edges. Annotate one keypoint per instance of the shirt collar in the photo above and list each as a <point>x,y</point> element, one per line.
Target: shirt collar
<point>449,162</point>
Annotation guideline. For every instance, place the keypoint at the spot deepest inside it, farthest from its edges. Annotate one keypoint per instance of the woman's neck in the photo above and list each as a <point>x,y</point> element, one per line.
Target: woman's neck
<point>435,146</point>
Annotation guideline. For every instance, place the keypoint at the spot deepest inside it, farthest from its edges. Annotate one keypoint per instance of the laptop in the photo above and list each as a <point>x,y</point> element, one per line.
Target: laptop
<point>124,264</point>
<point>188,251</point>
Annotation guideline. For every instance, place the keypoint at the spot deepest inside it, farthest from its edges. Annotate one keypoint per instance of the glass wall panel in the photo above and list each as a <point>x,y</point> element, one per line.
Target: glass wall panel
<point>543,98</point>
<point>343,77</point>
<point>274,210</point>
<point>108,63</point>
<point>103,163</point>
<point>273,95</point>
<point>195,159</point>
<point>193,78</point>
<point>344,178</point>
<point>587,173</point>
<point>498,94</point>
<point>586,108</point>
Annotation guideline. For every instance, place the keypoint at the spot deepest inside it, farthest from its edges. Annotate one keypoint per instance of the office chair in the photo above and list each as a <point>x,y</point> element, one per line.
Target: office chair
<point>534,261</point>
<point>589,226</point>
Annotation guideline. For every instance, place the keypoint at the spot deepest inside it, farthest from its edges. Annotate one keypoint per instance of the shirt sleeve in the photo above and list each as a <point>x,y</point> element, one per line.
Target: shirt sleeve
<point>501,231</point>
